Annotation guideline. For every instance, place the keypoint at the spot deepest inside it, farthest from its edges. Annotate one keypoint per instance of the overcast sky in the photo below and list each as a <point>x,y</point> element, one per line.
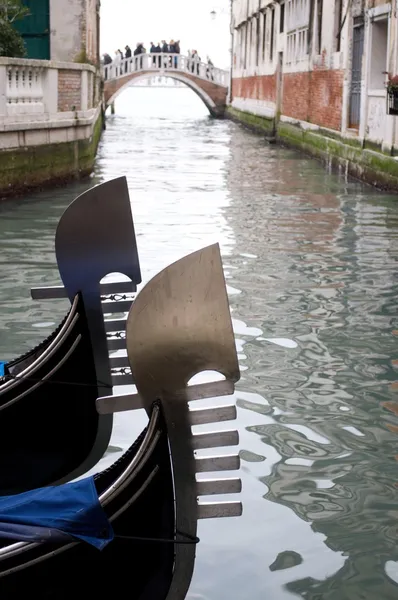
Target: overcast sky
<point>131,21</point>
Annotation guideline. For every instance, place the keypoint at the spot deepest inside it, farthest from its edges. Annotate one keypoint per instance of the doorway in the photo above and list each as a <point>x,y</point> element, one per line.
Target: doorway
<point>356,75</point>
<point>279,86</point>
<point>35,29</point>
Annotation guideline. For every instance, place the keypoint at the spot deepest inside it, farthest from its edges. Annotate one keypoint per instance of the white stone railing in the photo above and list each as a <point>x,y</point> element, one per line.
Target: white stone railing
<point>24,90</point>
<point>42,90</point>
<point>163,63</point>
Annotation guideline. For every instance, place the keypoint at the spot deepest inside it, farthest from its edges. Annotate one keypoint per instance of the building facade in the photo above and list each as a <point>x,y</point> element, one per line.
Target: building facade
<point>51,103</point>
<point>62,30</point>
<point>319,66</point>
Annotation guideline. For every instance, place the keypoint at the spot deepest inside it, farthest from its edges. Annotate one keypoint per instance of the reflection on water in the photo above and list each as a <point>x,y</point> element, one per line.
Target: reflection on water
<point>310,263</point>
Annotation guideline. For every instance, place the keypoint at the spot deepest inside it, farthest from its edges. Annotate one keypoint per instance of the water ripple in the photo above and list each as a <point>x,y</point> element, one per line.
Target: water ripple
<point>311,267</point>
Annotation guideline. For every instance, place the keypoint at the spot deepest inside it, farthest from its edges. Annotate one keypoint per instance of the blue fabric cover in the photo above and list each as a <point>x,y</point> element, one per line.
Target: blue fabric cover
<point>56,514</point>
<point>2,365</point>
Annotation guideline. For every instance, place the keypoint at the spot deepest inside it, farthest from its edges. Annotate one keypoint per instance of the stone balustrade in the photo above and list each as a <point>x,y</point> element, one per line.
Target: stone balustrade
<point>50,122</point>
<point>161,63</point>
<point>38,90</point>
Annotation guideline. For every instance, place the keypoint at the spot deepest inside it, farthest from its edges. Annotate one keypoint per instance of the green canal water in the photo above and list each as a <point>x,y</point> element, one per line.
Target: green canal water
<point>311,265</point>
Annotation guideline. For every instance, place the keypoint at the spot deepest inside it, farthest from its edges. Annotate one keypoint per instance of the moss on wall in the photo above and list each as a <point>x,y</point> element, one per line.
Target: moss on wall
<point>253,122</point>
<point>372,166</point>
<point>32,167</point>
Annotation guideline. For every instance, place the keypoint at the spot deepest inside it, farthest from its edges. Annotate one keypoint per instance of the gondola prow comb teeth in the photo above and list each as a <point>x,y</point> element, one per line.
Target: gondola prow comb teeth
<point>179,326</point>
<point>95,237</point>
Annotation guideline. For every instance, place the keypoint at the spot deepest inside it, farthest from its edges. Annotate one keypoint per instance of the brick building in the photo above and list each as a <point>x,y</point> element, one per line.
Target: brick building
<point>318,65</point>
<point>62,30</point>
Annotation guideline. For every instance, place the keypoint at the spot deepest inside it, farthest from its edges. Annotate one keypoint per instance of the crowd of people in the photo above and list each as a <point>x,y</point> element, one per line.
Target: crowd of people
<point>173,47</point>
<point>166,48</point>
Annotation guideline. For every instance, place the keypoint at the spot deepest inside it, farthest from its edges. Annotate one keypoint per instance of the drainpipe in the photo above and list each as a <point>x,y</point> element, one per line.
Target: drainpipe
<point>231,30</point>
<point>394,24</point>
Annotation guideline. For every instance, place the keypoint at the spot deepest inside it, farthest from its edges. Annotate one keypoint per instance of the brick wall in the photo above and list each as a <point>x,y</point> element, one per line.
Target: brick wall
<point>255,88</point>
<point>315,96</point>
<point>217,94</point>
<point>69,94</point>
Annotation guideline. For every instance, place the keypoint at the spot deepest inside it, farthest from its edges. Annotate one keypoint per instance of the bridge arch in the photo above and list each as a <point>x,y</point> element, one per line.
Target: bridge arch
<point>212,107</point>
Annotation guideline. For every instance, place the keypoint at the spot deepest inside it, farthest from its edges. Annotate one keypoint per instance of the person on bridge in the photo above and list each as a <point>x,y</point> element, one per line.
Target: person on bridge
<point>127,55</point>
<point>173,47</point>
<point>117,62</point>
<point>138,52</point>
<point>195,62</point>
<point>209,69</point>
<point>165,50</point>
<point>154,49</point>
<point>158,50</point>
<point>177,51</point>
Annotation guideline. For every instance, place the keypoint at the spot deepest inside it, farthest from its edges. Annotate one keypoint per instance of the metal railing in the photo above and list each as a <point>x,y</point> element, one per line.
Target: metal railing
<point>164,63</point>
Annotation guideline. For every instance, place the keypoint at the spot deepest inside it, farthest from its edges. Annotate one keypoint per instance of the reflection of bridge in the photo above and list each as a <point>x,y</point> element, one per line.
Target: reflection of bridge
<point>158,82</point>
<point>208,82</point>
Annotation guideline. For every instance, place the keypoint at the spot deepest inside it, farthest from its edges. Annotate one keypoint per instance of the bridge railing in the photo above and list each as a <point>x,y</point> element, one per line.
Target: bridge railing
<point>159,62</point>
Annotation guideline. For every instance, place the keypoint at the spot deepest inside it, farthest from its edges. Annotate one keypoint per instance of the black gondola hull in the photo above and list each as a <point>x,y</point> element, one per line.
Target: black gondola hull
<point>50,430</point>
<point>144,568</point>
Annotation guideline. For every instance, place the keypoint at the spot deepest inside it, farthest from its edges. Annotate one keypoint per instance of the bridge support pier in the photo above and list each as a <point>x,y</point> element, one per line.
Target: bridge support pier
<point>218,112</point>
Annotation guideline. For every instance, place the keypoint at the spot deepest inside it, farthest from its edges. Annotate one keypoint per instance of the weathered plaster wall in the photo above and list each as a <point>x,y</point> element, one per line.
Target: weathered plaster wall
<point>92,32</point>
<point>66,25</point>
<point>74,32</point>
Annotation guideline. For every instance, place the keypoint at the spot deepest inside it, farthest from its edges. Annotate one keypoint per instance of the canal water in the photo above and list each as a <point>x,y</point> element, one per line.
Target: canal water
<point>311,266</point>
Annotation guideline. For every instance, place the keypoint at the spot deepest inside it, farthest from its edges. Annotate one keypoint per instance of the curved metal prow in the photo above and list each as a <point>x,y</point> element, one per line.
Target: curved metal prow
<point>95,236</point>
<point>178,326</point>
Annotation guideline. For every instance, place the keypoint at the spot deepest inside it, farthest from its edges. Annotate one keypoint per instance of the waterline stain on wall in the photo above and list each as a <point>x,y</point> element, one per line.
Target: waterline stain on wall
<point>31,167</point>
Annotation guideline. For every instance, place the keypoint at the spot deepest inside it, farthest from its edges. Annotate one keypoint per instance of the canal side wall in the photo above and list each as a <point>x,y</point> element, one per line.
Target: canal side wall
<point>314,75</point>
<point>334,150</point>
<point>51,119</point>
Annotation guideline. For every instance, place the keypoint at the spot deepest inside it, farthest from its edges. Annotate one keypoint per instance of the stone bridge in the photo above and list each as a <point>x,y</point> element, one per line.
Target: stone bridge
<point>208,82</point>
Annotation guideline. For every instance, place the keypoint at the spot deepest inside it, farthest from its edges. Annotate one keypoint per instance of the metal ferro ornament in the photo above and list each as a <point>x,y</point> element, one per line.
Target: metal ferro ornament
<point>180,325</point>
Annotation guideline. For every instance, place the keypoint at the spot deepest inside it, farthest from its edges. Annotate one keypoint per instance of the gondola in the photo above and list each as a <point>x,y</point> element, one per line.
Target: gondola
<point>139,533</point>
<point>48,395</point>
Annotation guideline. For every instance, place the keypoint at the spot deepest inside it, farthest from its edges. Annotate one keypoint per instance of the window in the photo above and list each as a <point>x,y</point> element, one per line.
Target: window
<point>245,55</point>
<point>251,22</point>
<point>271,46</point>
<point>378,54</point>
<point>338,15</point>
<point>264,33</point>
<point>257,39</point>
<point>282,19</point>
<point>241,46</point>
<point>319,15</point>
<point>297,25</point>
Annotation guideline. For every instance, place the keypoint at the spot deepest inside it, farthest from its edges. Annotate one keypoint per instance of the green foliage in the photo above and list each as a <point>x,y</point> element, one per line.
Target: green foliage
<point>12,10</point>
<point>11,42</point>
